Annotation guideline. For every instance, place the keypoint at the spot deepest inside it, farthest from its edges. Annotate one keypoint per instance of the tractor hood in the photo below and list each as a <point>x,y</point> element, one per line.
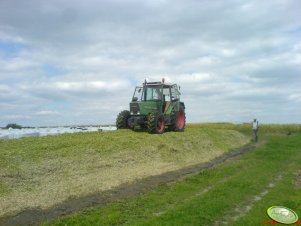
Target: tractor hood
<point>144,107</point>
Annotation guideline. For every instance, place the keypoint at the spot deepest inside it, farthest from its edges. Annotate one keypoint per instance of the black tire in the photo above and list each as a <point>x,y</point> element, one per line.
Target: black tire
<point>122,120</point>
<point>155,123</point>
<point>178,120</point>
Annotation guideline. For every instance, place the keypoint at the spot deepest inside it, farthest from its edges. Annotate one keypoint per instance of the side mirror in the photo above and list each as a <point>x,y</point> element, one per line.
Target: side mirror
<point>135,99</point>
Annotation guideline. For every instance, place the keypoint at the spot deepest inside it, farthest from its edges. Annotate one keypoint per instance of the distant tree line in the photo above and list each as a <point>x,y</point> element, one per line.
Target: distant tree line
<point>13,126</point>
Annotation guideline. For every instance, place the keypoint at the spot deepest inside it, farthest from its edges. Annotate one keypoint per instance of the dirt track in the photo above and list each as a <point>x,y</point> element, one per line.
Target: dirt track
<point>37,216</point>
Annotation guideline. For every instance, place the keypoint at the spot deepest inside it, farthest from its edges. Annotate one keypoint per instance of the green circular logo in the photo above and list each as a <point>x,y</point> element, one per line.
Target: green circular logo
<point>282,214</point>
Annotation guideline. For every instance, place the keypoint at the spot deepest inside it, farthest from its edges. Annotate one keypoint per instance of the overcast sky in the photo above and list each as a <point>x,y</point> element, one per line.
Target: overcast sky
<point>77,62</point>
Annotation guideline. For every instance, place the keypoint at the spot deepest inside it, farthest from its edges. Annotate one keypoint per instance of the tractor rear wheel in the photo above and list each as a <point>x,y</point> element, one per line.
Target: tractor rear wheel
<point>122,120</point>
<point>178,121</point>
<point>155,123</point>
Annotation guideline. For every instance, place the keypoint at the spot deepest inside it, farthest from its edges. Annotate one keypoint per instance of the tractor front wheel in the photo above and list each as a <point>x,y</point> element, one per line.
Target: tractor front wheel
<point>155,123</point>
<point>122,120</point>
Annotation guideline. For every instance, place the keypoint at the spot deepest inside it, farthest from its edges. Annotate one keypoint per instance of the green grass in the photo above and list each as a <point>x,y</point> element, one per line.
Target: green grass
<point>41,172</point>
<point>216,195</point>
<point>245,127</point>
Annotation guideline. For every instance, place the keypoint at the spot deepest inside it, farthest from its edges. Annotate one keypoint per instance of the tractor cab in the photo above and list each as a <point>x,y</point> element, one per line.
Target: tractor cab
<point>156,96</point>
<point>153,99</point>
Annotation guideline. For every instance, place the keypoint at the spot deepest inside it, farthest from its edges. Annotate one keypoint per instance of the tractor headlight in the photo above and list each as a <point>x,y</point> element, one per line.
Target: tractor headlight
<point>132,113</point>
<point>138,113</point>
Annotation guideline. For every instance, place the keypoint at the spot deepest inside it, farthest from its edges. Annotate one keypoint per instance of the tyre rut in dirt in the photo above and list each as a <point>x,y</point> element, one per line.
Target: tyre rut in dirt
<point>155,123</point>
<point>122,118</point>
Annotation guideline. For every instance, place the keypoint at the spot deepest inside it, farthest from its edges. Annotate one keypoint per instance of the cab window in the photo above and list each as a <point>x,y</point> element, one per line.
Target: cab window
<point>174,93</point>
<point>153,93</point>
<point>166,94</point>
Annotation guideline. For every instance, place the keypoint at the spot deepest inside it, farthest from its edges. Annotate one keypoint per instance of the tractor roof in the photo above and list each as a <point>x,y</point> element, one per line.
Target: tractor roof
<point>157,83</point>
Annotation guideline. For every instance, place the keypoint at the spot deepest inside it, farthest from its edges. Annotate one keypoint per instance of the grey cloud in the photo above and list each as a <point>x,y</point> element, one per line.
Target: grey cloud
<point>234,60</point>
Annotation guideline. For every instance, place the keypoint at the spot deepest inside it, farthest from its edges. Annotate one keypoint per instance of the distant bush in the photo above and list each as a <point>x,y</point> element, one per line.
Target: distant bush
<point>13,125</point>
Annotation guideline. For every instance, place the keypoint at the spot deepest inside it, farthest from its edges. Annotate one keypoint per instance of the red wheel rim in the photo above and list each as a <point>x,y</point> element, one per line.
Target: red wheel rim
<point>160,124</point>
<point>180,120</point>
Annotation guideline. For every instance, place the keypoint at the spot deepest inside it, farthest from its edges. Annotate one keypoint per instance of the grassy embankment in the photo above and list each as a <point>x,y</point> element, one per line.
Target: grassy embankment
<point>237,192</point>
<point>40,172</point>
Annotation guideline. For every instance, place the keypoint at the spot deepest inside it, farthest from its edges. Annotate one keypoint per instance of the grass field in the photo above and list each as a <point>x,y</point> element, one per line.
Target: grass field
<point>237,192</point>
<point>41,172</point>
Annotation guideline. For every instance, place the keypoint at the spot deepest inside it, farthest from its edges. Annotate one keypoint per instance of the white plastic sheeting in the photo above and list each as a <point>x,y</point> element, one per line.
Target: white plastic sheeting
<point>18,133</point>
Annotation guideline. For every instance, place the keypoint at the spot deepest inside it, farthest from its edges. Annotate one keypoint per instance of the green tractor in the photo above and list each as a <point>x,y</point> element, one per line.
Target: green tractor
<point>155,106</point>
